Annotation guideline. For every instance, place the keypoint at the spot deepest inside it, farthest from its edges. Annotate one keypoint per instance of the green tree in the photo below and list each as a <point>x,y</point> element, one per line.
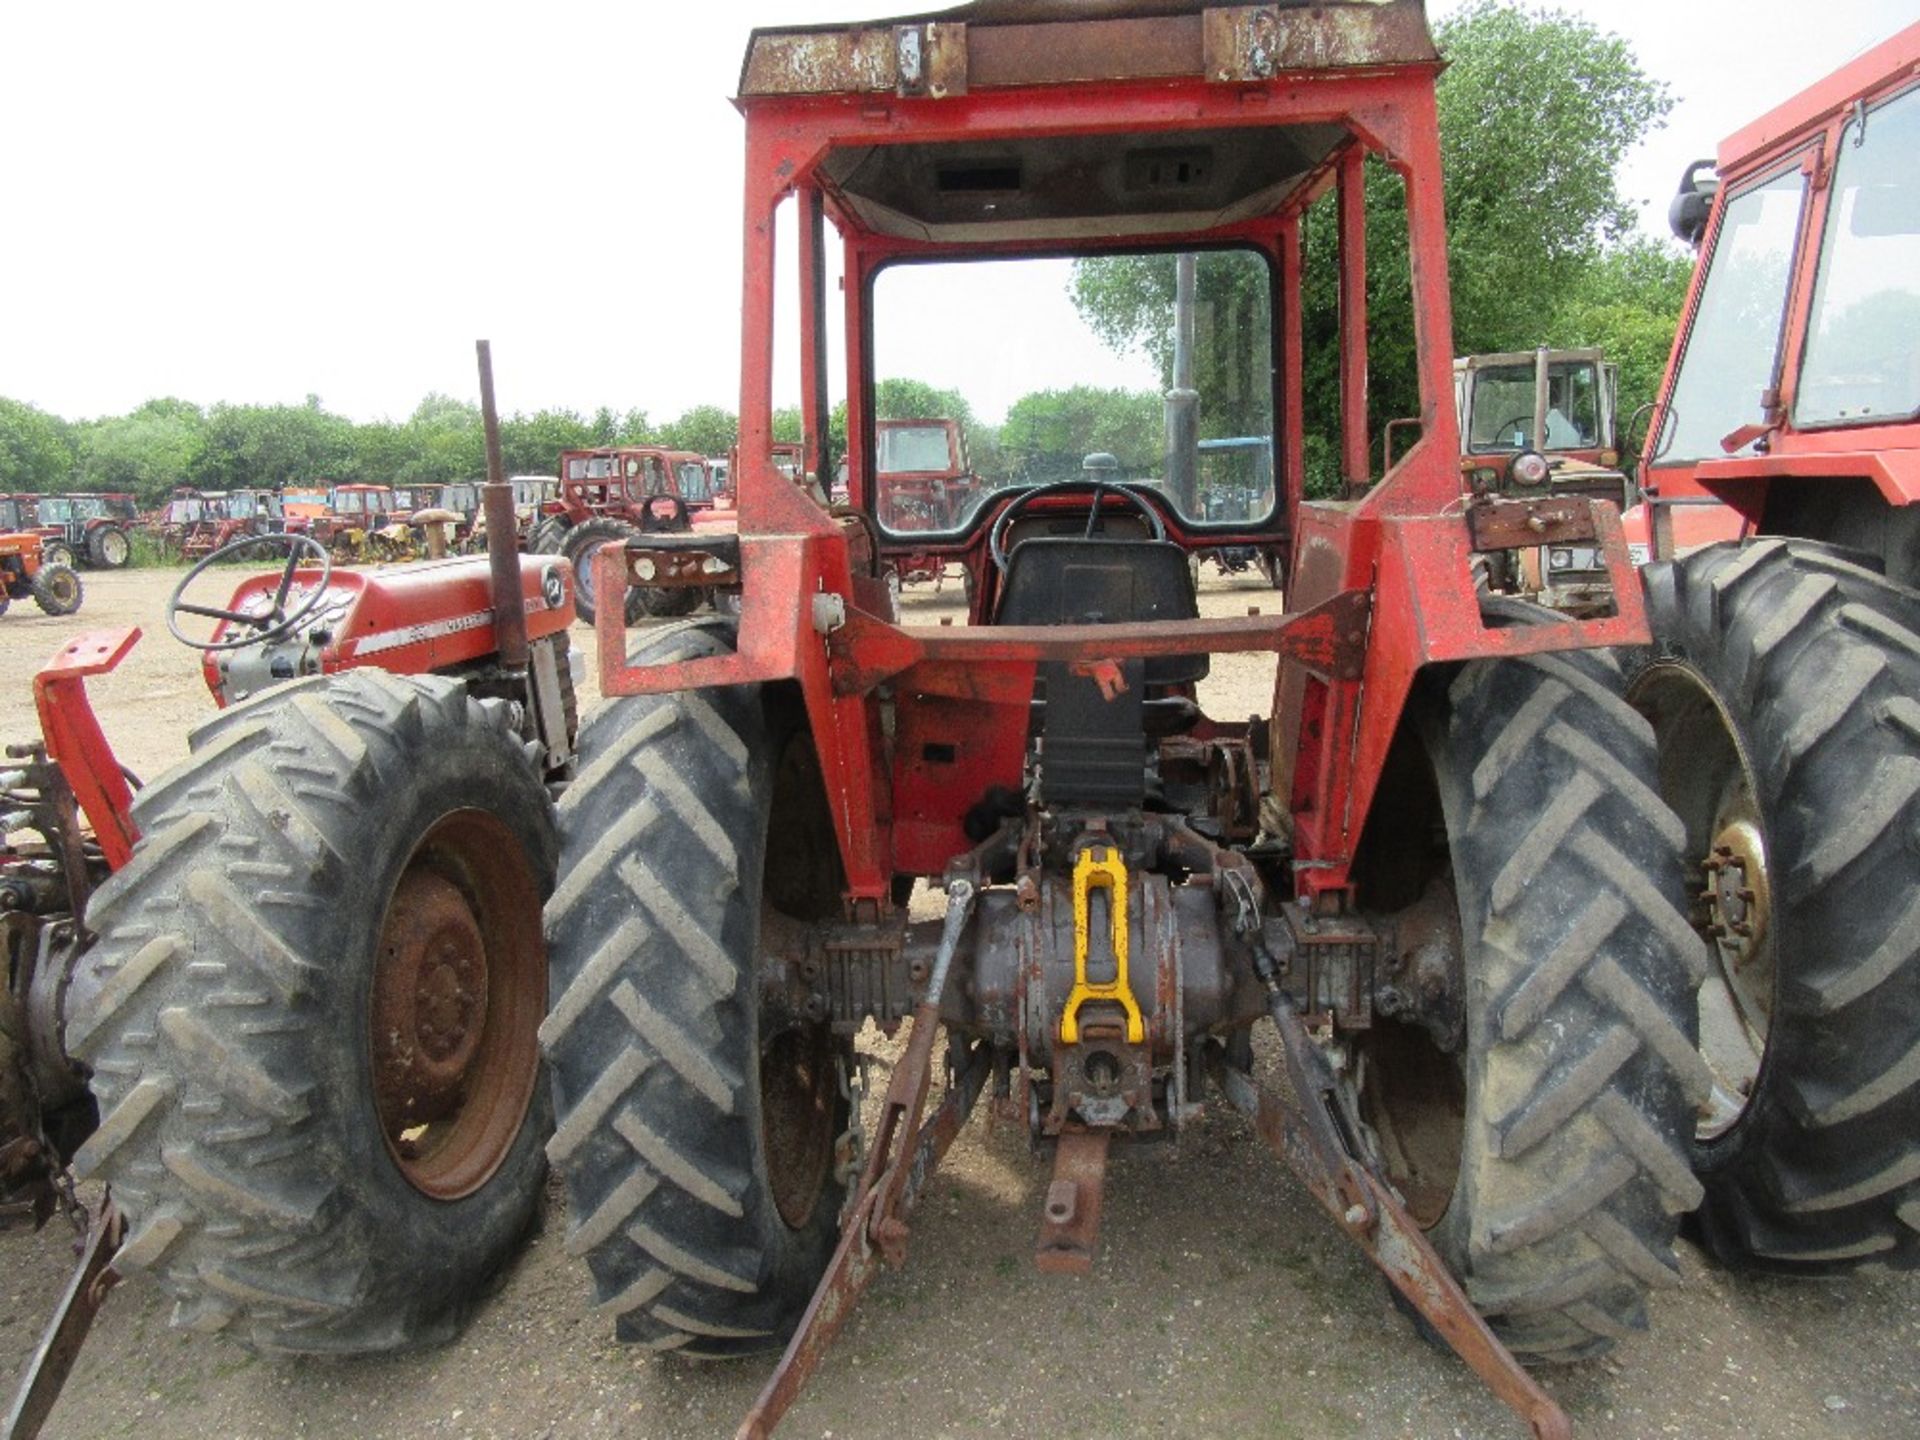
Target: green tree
<point>633,428</point>
<point>531,444</point>
<point>709,429</point>
<point>272,445</point>
<point>36,449</point>
<point>147,451</point>
<point>1049,433</point>
<point>1130,304</point>
<point>1628,303</point>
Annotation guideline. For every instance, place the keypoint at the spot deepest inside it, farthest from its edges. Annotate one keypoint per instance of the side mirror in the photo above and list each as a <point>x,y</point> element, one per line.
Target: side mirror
<point>1687,212</point>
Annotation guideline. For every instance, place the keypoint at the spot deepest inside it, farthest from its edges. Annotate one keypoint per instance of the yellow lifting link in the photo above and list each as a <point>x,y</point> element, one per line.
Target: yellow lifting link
<point>1100,868</point>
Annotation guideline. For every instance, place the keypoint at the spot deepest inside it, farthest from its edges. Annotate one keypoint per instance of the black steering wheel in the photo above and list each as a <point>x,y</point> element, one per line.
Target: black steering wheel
<point>1100,489</point>
<point>262,625</point>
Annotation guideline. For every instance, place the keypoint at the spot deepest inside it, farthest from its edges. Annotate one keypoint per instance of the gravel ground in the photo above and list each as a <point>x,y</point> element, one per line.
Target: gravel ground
<point>1222,1303</point>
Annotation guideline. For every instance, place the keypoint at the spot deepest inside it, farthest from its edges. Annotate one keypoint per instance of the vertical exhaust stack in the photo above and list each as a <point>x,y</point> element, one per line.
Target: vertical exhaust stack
<point>503,551</point>
<point>1183,401</point>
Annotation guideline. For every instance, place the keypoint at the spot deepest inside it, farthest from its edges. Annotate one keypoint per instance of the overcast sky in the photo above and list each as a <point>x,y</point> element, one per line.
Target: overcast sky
<point>251,202</point>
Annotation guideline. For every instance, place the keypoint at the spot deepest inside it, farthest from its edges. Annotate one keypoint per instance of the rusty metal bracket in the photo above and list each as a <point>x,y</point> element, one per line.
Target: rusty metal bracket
<point>72,1318</point>
<point>1311,1141</point>
<point>1545,520</point>
<point>1070,1218</point>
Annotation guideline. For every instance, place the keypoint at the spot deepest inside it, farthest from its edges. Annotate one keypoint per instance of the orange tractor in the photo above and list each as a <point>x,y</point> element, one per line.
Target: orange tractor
<point>26,573</point>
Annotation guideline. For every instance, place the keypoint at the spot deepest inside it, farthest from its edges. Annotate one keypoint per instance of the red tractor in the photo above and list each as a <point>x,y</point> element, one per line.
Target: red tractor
<point>1783,683</point>
<point>925,485</point>
<point>284,1000</point>
<point>195,523</point>
<point>1438,866</point>
<point>87,529</point>
<point>613,494</point>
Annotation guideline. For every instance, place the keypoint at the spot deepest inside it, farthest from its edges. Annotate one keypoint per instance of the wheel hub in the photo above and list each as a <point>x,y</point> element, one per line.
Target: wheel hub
<point>1739,899</point>
<point>430,1001</point>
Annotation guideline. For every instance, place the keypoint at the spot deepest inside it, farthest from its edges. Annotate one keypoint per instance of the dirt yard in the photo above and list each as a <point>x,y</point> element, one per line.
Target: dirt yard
<point>1223,1303</point>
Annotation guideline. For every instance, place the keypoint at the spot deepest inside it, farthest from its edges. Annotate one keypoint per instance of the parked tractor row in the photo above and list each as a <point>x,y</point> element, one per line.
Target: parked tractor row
<point>1568,919</point>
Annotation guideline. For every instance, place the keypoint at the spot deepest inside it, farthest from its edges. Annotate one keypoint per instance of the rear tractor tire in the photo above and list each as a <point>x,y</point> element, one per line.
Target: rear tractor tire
<point>697,1139</point>
<point>579,547</point>
<point>312,1015</point>
<point>1543,1145</point>
<point>1784,688</point>
<point>108,548</point>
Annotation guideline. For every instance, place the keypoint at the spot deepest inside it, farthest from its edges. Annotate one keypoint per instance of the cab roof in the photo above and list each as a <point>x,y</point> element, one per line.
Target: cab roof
<point>931,181</point>
<point>1038,42</point>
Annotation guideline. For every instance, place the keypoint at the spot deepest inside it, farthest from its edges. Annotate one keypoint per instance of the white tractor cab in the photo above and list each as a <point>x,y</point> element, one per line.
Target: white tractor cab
<point>1543,422</point>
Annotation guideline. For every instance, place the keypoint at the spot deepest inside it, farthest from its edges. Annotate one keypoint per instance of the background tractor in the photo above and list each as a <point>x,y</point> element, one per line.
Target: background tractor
<point>26,573</point>
<point>1437,872</point>
<point>88,529</point>
<point>1784,679</point>
<point>1544,423</point>
<point>283,1000</point>
<point>614,494</point>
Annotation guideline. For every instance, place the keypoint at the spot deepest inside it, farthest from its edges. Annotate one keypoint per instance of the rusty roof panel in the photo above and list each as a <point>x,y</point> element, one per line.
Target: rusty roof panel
<point>1041,42</point>
<point>1091,50</point>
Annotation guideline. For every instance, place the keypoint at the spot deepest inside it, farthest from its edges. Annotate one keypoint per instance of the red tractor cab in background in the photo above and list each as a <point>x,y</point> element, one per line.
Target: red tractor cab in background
<point>617,492</point>
<point>90,529</point>
<point>926,485</point>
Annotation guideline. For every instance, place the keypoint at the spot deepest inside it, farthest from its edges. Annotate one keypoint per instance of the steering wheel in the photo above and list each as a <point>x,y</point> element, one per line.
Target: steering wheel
<point>996,538</point>
<point>1522,423</point>
<point>264,625</point>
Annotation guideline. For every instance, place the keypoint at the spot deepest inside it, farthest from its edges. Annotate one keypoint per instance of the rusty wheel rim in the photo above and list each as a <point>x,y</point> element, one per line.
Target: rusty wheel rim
<point>459,987</point>
<point>1705,775</point>
<point>798,1084</point>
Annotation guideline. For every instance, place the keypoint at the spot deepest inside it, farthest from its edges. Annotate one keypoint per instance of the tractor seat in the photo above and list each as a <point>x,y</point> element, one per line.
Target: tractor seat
<point>1076,580</point>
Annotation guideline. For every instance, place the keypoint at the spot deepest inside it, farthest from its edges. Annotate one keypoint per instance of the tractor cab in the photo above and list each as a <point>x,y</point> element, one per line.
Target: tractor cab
<point>362,505</point>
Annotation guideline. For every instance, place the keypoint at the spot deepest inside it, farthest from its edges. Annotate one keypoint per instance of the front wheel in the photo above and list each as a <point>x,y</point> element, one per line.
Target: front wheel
<point>312,1012</point>
<point>58,552</point>
<point>1784,687</point>
<point>547,537</point>
<point>57,590</point>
